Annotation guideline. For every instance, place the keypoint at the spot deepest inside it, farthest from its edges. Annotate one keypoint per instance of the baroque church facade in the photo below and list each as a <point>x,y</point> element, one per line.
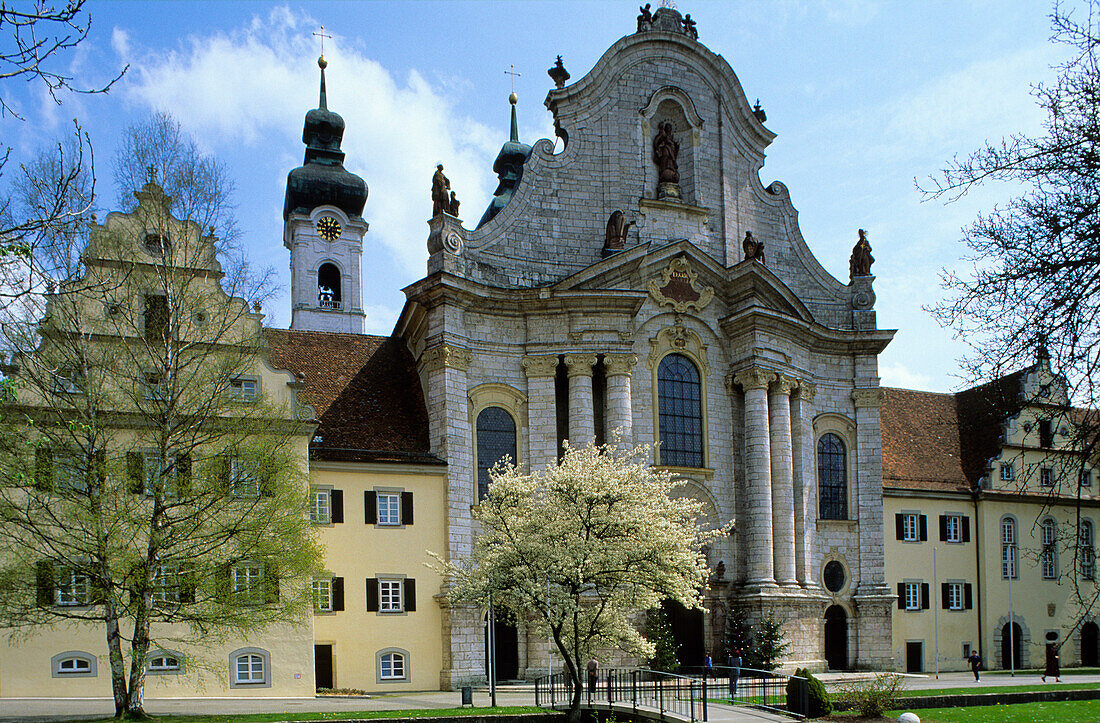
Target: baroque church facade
<point>638,283</point>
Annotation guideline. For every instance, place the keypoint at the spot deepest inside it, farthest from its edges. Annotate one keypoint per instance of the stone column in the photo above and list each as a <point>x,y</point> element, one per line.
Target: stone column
<point>582,424</point>
<point>758,477</point>
<point>444,366</point>
<point>619,413</point>
<point>803,447</point>
<point>782,467</point>
<point>542,421</point>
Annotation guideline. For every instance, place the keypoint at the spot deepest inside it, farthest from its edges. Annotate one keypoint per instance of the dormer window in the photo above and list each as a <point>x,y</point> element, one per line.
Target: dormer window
<point>157,244</point>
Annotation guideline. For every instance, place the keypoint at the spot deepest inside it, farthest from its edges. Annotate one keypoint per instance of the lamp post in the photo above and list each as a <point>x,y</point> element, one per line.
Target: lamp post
<point>492,654</point>
<point>1011,617</point>
<point>936,611</point>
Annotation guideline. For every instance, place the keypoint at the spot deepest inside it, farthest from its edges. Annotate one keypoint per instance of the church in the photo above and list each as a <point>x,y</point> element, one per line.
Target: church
<point>636,279</point>
<point>631,280</point>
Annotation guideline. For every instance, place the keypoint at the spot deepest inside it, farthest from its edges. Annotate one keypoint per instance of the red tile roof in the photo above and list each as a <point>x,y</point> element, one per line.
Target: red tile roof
<point>365,390</point>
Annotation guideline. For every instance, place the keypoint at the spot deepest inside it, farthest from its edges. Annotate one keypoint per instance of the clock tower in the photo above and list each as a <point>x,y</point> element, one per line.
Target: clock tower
<point>323,228</point>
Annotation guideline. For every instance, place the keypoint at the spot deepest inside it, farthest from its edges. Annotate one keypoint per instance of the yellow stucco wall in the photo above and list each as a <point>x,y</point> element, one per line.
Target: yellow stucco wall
<point>357,551</point>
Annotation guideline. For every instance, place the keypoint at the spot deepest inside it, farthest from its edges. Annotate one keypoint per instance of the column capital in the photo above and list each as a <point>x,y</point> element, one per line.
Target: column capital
<point>868,397</point>
<point>807,391</point>
<point>784,385</point>
<point>620,364</point>
<point>445,355</point>
<point>754,378</point>
<point>540,366</point>
<point>580,364</point>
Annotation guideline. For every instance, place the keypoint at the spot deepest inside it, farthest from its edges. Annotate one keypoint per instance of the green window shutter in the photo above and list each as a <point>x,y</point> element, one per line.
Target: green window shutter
<point>406,508</point>
<point>98,477</point>
<point>187,584</point>
<point>183,475</point>
<point>337,594</point>
<point>372,594</point>
<point>46,582</point>
<point>370,507</point>
<point>43,469</point>
<point>410,595</point>
<point>224,484</point>
<point>221,582</point>
<point>135,473</point>
<point>271,583</point>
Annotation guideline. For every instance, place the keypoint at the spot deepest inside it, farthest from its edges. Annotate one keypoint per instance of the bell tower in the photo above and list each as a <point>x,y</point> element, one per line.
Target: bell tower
<point>323,228</point>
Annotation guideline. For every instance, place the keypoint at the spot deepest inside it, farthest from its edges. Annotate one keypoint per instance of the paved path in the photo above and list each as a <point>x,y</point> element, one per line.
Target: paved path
<point>26,710</point>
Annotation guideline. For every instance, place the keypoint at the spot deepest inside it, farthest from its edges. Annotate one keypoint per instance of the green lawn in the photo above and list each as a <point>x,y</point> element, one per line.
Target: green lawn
<point>337,715</point>
<point>1085,711</point>
<point>1002,689</point>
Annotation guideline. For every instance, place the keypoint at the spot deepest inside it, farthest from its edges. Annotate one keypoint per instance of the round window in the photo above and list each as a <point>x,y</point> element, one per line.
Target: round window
<point>834,576</point>
<point>1052,636</point>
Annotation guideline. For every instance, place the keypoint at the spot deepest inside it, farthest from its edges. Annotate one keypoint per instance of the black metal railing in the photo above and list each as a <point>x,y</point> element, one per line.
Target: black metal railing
<point>683,695</point>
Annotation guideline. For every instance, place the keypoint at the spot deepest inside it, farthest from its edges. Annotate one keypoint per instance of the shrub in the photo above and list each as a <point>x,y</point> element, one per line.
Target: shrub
<point>871,696</point>
<point>818,697</point>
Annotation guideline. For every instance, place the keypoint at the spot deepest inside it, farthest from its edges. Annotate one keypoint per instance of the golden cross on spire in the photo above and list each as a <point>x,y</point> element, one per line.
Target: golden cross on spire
<point>514,75</point>
<point>322,35</point>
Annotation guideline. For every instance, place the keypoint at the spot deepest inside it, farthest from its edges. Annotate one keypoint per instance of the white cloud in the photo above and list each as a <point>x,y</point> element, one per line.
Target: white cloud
<point>253,85</point>
<point>899,375</point>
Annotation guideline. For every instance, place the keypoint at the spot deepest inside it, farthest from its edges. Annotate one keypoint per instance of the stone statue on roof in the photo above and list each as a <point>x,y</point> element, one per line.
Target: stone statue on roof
<point>441,188</point>
<point>645,18</point>
<point>754,249</point>
<point>860,262</point>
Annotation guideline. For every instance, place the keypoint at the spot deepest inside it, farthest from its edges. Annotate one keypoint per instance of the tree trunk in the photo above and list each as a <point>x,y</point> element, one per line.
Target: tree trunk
<point>114,652</point>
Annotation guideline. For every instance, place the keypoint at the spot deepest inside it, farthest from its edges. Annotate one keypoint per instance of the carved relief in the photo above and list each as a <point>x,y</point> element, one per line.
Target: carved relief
<point>445,355</point>
<point>580,364</point>
<point>677,338</point>
<point>868,397</point>
<point>540,366</point>
<point>678,287</point>
<point>754,378</point>
<point>620,364</point>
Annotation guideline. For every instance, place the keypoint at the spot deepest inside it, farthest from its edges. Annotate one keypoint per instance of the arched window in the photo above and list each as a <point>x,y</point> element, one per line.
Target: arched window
<point>393,664</point>
<point>832,477</point>
<point>1049,552</point>
<point>1008,549</point>
<point>328,286</point>
<point>250,667</point>
<point>680,412</point>
<point>496,439</point>
<point>1088,555</point>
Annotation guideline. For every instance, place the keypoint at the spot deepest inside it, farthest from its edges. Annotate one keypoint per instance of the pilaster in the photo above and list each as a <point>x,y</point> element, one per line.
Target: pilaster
<point>542,430</point>
<point>805,484</point>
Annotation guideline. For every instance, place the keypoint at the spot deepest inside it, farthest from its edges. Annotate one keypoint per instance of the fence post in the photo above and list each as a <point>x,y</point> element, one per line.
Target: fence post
<point>634,689</point>
<point>661,696</point>
<point>704,694</point>
<point>550,682</point>
<point>806,697</point>
<point>609,676</point>
<point>537,692</point>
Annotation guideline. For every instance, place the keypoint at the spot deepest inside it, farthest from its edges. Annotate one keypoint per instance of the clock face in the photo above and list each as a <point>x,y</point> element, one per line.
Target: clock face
<point>329,228</point>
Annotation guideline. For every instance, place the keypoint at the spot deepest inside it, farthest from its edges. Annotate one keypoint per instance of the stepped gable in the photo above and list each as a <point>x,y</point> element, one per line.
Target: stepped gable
<point>920,441</point>
<point>366,393</point>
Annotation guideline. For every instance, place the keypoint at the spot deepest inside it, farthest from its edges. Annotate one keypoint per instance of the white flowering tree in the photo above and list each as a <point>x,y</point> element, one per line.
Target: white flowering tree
<point>581,548</point>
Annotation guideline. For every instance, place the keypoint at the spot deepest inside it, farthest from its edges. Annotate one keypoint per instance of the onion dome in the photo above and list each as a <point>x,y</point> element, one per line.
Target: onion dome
<point>322,180</point>
<point>508,166</point>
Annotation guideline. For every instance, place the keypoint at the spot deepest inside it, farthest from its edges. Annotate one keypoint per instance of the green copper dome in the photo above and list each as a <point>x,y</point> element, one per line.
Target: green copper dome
<point>322,179</point>
<point>508,167</point>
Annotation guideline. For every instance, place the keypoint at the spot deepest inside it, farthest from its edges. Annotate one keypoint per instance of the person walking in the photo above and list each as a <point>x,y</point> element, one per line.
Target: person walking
<point>1053,666</point>
<point>735,671</point>
<point>975,661</point>
<point>708,667</point>
<point>593,669</point>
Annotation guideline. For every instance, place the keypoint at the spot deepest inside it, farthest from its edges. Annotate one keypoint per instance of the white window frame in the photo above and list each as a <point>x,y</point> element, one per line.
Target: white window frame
<point>1049,555</point>
<point>912,596</point>
<point>252,672</point>
<point>954,528</point>
<point>320,505</point>
<point>166,584</point>
<point>1046,477</point>
<point>393,665</point>
<point>244,389</point>
<point>322,595</point>
<point>388,506</point>
<point>1008,472</point>
<point>1010,562</point>
<point>69,470</point>
<point>1085,478</point>
<point>246,580</point>
<point>392,601</point>
<point>910,527</point>
<point>153,471</point>
<point>156,386</point>
<point>68,381</point>
<point>158,663</point>
<point>956,593</point>
<point>243,484</point>
<point>73,664</point>
<point>74,588</point>
<point>1088,550</point>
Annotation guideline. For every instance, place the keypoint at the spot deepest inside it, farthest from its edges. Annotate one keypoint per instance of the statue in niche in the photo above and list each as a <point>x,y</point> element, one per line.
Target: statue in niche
<point>754,249</point>
<point>441,187</point>
<point>617,228</point>
<point>860,263</point>
<point>645,18</point>
<point>689,27</point>
<point>665,150</point>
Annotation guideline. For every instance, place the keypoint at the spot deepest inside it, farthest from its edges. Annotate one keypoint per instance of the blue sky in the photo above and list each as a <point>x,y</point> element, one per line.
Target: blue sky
<point>864,96</point>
